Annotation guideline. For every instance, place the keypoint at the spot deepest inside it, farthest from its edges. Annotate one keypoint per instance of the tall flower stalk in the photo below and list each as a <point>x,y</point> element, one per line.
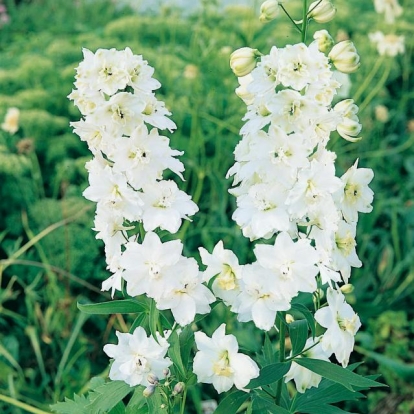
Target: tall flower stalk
<point>287,193</point>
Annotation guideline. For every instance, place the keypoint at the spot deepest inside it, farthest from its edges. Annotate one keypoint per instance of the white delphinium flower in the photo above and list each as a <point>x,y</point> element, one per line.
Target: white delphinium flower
<point>155,113</point>
<point>388,45</point>
<point>357,196</point>
<point>223,265</point>
<point>314,185</point>
<point>265,75</point>
<point>136,356</point>
<point>262,211</point>
<point>242,91</point>
<point>292,263</point>
<point>184,292</point>
<point>145,264</point>
<point>165,206</point>
<point>260,297</point>
<point>341,322</point>
<point>120,114</point>
<point>344,249</point>
<point>218,361</point>
<point>292,111</point>
<point>144,156</point>
<point>258,114</point>
<point>111,188</point>
<point>139,72</point>
<point>390,8</point>
<point>303,377</point>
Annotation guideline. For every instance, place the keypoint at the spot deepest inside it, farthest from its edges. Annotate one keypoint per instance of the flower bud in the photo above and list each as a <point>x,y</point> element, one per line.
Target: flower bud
<point>178,388</point>
<point>321,11</point>
<point>348,288</point>
<point>153,379</point>
<point>289,318</point>
<point>269,11</point>
<point>324,40</point>
<point>345,57</point>
<point>349,127</point>
<point>381,113</point>
<point>243,61</point>
<point>166,372</point>
<point>148,391</point>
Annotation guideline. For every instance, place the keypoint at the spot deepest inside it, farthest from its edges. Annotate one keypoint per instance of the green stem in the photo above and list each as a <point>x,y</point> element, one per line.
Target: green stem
<point>377,88</point>
<point>305,20</point>
<point>290,18</point>
<point>182,408</point>
<point>281,325</point>
<point>302,352</point>
<point>368,79</point>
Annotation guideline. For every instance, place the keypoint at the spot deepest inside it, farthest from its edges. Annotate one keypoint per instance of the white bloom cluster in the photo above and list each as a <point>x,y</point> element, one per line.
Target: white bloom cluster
<point>286,187</point>
<point>121,119</point>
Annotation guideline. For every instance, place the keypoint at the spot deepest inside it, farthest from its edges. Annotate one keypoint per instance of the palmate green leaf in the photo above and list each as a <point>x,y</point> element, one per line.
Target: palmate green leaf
<point>269,374</point>
<point>75,406</point>
<point>114,306</point>
<point>231,402</point>
<point>298,332</point>
<point>107,396</point>
<point>337,374</point>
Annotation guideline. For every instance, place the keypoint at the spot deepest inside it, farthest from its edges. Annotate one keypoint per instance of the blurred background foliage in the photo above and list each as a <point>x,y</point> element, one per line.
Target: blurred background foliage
<point>49,256</point>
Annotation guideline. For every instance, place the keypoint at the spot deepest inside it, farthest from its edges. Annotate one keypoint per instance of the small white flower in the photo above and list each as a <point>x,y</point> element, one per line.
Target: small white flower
<point>11,121</point>
<point>218,361</point>
<point>136,356</point>
<point>390,8</point>
<point>388,45</point>
<point>341,322</point>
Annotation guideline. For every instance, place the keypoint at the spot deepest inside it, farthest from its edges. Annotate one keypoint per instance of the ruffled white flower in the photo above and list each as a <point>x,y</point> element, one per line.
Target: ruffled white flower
<point>260,297</point>
<point>224,266</point>
<point>136,356</point>
<point>165,206</point>
<point>218,361</point>
<point>184,293</point>
<point>341,324</point>
<point>11,121</point>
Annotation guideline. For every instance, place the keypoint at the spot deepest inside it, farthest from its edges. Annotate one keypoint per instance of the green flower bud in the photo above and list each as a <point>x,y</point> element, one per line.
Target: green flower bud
<point>321,11</point>
<point>324,40</point>
<point>344,57</point>
<point>243,61</point>
<point>269,11</point>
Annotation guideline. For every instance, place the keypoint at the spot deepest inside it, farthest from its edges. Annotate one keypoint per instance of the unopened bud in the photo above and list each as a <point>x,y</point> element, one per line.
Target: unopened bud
<point>345,57</point>
<point>178,388</point>
<point>153,379</point>
<point>322,11</point>
<point>289,318</point>
<point>348,288</point>
<point>324,40</point>
<point>148,391</point>
<point>269,11</point>
<point>166,372</point>
<point>381,113</point>
<point>243,60</point>
<point>349,127</point>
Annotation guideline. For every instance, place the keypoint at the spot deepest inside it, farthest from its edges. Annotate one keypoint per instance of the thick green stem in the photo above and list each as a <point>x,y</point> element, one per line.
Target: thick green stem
<point>305,20</point>
<point>182,410</point>
<point>281,325</point>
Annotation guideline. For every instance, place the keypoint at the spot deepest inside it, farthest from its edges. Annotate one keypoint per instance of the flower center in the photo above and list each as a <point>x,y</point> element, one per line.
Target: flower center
<point>222,366</point>
<point>227,279</point>
<point>345,244</point>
